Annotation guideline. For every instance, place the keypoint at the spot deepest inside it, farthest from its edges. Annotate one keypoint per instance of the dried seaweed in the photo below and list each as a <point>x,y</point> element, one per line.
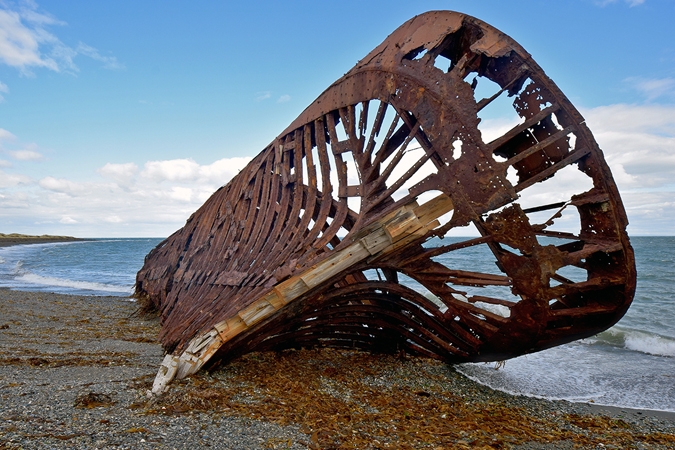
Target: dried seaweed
<point>348,399</point>
<point>93,400</point>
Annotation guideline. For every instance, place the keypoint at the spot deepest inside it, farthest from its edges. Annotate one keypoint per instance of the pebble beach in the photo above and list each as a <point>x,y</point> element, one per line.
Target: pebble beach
<point>75,373</point>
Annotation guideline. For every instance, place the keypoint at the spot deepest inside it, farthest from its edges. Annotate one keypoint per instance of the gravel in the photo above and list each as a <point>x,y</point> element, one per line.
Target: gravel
<point>74,373</point>
<point>56,349</point>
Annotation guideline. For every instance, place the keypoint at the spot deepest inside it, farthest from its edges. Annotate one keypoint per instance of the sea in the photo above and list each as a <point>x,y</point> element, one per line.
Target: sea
<point>631,365</point>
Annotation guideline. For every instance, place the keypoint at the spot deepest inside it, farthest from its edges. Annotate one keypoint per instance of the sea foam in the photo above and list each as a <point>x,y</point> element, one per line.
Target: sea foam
<point>636,341</point>
<point>32,278</point>
<point>650,344</point>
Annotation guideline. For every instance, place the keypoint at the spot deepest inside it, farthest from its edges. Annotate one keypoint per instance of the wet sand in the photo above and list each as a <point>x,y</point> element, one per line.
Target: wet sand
<point>75,372</point>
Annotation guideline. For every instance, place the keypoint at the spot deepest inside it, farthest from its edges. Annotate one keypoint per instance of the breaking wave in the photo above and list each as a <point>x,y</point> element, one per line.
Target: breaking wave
<point>105,267</point>
<point>31,278</point>
<point>637,341</point>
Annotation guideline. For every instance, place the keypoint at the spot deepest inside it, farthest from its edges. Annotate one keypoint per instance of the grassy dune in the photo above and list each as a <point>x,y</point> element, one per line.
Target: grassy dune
<point>16,238</point>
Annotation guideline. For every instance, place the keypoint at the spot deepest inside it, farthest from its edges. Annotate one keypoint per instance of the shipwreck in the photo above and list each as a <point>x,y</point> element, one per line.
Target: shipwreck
<point>330,236</point>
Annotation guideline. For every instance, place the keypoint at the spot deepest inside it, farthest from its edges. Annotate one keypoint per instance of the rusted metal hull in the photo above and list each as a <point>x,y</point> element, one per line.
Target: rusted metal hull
<point>309,245</point>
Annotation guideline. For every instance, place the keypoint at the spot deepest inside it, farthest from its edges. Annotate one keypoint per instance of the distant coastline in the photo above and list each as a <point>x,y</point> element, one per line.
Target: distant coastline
<point>17,239</point>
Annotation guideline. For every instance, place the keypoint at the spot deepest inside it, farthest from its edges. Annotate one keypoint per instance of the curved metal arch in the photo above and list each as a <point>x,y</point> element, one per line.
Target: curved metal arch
<point>338,210</point>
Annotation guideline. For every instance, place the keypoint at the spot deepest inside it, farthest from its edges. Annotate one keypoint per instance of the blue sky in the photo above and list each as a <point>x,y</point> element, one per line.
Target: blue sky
<point>121,118</point>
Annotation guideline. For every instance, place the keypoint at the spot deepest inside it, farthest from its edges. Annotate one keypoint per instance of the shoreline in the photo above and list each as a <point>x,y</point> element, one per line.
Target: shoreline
<point>622,411</point>
<point>75,370</point>
<point>7,240</point>
<point>599,408</point>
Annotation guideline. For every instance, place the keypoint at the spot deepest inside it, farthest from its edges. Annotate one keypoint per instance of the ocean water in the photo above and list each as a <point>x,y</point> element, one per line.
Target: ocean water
<point>96,267</point>
<point>630,365</point>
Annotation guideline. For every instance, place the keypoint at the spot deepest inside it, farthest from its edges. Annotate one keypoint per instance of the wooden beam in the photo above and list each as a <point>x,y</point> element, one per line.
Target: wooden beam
<point>395,230</point>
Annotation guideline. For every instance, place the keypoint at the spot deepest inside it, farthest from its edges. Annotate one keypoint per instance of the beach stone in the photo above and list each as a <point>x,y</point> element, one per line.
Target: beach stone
<point>74,371</point>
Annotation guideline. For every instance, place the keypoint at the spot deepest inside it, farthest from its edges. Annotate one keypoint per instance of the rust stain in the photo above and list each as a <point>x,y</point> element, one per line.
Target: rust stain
<point>316,241</point>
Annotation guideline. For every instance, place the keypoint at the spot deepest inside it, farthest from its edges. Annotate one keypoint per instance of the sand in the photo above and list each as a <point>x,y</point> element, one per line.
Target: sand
<point>75,372</point>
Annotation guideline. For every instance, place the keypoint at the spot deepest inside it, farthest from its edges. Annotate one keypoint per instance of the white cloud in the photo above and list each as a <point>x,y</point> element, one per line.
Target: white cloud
<point>120,199</point>
<point>63,186</point>
<point>262,95</point>
<point>155,199</point>
<point>6,135</point>
<point>3,90</point>
<point>650,212</point>
<point>26,44</point>
<point>8,180</point>
<point>639,145</point>
<point>19,42</point>
<point>654,88</point>
<point>187,170</point>
<point>284,98</point>
<point>116,171</point>
<point>223,169</point>
<point>651,119</point>
<point>180,193</point>
<point>491,129</point>
<point>123,174</point>
<point>109,62</point>
<point>638,142</point>
<point>25,152</point>
<point>630,3</point>
<point>26,155</point>
<point>172,170</point>
<point>67,220</point>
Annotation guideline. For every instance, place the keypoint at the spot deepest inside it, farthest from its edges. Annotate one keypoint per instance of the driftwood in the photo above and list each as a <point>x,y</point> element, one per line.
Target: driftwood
<point>323,239</point>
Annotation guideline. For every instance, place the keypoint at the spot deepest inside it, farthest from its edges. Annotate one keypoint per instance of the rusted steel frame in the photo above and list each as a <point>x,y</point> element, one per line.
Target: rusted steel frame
<point>447,295</point>
<point>384,176</point>
<point>491,300</point>
<point>570,159</point>
<point>276,229</point>
<point>390,232</point>
<point>393,296</point>
<point>442,249</point>
<point>584,286</point>
<point>397,185</point>
<point>382,318</point>
<point>558,234</point>
<point>377,124</point>
<point>327,188</point>
<point>524,70</point>
<point>491,321</point>
<point>453,331</point>
<point>345,314</point>
<point>275,252</point>
<point>403,297</point>
<point>407,117</point>
<point>518,129</point>
<point>386,148</point>
<point>439,272</point>
<point>477,328</point>
<point>346,342</point>
<point>541,145</point>
<point>267,201</point>
<point>262,285</point>
<point>369,338</point>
